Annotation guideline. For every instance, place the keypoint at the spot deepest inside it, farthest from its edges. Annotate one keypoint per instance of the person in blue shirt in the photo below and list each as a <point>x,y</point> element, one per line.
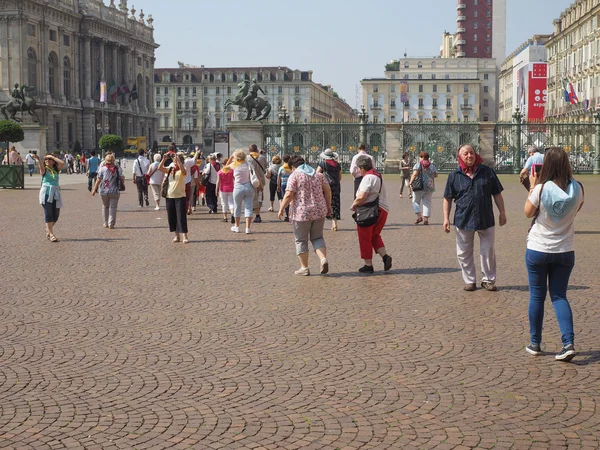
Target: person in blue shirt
<point>92,169</point>
<point>535,158</point>
<point>472,187</point>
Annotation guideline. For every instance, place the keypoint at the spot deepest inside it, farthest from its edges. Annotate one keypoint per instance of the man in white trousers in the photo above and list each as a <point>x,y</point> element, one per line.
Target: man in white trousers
<point>472,187</point>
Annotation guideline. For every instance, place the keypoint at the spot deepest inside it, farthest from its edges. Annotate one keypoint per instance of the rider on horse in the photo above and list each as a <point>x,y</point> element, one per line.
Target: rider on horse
<point>252,93</point>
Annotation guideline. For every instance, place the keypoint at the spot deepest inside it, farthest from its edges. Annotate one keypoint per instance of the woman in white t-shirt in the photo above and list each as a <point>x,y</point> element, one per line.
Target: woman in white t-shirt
<point>554,200</point>
<point>156,179</point>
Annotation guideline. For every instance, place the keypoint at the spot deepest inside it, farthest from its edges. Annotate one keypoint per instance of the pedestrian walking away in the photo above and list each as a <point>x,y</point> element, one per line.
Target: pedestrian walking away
<point>30,161</point>
<point>428,173</point>
<point>272,173</point>
<point>332,171</point>
<point>282,177</point>
<point>362,150</point>
<point>472,186</point>
<point>92,169</point>
<point>243,191</point>
<point>371,193</point>
<point>310,197</point>
<point>554,200</point>
<point>176,201</point>
<point>225,183</point>
<point>212,169</point>
<point>139,172</point>
<point>107,185</point>
<point>258,163</point>
<point>50,196</point>
<point>156,179</point>
<point>405,175</point>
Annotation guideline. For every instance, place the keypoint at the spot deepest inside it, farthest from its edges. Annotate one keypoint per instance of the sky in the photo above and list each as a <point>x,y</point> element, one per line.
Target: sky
<point>341,41</point>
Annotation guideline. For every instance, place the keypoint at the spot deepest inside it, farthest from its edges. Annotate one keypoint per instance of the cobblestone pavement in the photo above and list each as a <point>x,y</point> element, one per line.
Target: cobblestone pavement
<point>120,339</point>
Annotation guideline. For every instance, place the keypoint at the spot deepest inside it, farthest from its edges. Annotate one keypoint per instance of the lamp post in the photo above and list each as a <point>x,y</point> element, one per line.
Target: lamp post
<point>284,119</point>
<point>517,119</point>
<point>363,116</point>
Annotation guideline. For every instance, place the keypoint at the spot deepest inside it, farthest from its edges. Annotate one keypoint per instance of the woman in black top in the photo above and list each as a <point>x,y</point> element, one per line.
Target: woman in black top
<point>333,174</point>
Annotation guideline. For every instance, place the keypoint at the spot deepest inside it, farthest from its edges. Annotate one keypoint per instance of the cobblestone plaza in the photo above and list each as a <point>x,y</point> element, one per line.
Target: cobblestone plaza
<point>120,339</point>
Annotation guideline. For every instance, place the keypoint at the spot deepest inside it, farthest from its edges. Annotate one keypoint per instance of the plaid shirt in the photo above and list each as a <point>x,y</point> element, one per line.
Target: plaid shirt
<point>473,197</point>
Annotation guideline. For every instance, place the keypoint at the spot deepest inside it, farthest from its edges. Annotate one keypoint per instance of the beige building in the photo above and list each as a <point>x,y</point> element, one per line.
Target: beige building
<point>64,48</point>
<point>448,47</point>
<point>190,100</point>
<point>533,50</point>
<point>436,89</point>
<point>574,52</point>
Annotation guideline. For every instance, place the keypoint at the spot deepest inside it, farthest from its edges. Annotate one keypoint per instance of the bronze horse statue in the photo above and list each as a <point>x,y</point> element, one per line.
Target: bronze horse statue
<point>16,105</point>
<point>260,105</point>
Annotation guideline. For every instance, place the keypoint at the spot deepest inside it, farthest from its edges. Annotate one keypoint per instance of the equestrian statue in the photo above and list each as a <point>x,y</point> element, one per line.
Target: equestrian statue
<point>247,98</point>
<point>21,102</point>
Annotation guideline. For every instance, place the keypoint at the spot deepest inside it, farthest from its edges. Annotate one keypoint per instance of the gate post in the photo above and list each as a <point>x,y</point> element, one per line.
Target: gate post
<point>597,156</point>
<point>517,117</point>
<point>362,118</point>
<point>284,119</point>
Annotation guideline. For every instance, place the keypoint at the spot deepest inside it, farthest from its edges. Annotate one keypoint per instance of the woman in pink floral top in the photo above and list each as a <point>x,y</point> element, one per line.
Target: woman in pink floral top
<point>310,198</point>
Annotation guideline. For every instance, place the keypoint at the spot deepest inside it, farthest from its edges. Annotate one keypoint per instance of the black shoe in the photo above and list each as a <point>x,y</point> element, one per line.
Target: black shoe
<point>257,219</point>
<point>203,202</point>
<point>567,353</point>
<point>387,262</point>
<point>147,202</point>
<point>232,219</point>
<point>287,219</point>
<point>533,349</point>
<point>366,269</point>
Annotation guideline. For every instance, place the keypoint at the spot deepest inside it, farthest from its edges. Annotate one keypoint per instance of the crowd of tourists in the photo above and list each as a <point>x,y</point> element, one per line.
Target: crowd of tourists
<point>309,196</point>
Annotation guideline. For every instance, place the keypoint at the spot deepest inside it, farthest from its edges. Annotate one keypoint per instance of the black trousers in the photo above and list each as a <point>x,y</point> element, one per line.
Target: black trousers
<point>142,189</point>
<point>273,191</point>
<point>211,196</point>
<point>357,181</point>
<point>177,215</point>
<point>91,180</point>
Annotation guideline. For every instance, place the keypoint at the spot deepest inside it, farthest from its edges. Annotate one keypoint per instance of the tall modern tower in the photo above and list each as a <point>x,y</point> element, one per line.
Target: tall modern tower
<point>481,29</point>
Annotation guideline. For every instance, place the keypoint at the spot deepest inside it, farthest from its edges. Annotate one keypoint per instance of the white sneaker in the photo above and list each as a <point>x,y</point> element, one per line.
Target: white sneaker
<point>235,229</point>
<point>248,231</point>
<point>157,208</point>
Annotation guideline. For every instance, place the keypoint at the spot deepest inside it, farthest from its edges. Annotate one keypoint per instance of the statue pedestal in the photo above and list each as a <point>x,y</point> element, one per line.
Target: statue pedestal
<point>35,139</point>
<point>242,134</point>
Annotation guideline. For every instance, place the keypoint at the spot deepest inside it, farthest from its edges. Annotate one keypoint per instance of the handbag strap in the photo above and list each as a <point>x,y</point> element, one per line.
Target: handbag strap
<point>537,211</point>
<point>140,165</point>
<point>259,164</point>
<point>154,171</point>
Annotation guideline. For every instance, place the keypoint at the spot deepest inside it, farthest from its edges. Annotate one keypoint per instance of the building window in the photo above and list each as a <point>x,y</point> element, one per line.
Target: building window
<point>475,37</point>
<point>67,77</point>
<point>297,103</point>
<point>486,103</point>
<point>187,105</point>
<point>406,66</point>
<point>206,123</point>
<point>475,13</point>
<point>487,49</point>
<point>448,103</point>
<point>70,133</point>
<point>406,76</point>
<point>486,89</point>
<point>434,103</point>
<point>474,49</point>
<point>187,91</point>
<point>448,88</point>
<point>420,88</point>
<point>407,104</point>
<point>52,68</point>
<point>205,77</point>
<point>475,2</point>
<point>166,91</point>
<point>157,91</point>
<point>393,88</point>
<point>466,88</point>
<point>433,76</point>
<point>195,123</point>
<point>419,65</point>
<point>218,122</point>
<point>485,76</point>
<point>393,119</point>
<point>489,25</point>
<point>279,105</point>
<point>475,25</point>
<point>139,61</point>
<point>66,40</point>
<point>157,104</point>
<point>486,118</point>
<point>31,67</point>
<point>52,35</point>
<point>393,104</point>
<point>178,105</point>
<point>194,105</point>
<point>57,132</point>
<point>194,93</point>
<point>420,76</point>
<point>218,90</point>
<point>279,90</point>
<point>421,104</point>
<point>166,103</point>
<point>434,117</point>
<point>375,88</point>
<point>178,92</point>
<point>228,90</point>
<point>297,90</point>
<point>205,91</point>
<point>179,123</point>
<point>435,88</point>
<point>30,29</point>
<point>393,77</point>
<point>375,104</point>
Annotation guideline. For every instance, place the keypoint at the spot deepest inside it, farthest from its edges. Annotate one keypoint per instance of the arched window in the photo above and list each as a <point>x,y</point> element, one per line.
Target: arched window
<point>31,68</point>
<point>67,77</point>
<point>406,66</point>
<point>52,72</point>
<point>433,64</point>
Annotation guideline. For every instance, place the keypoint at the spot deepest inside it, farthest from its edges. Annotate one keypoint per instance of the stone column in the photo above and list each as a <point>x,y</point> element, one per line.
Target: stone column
<point>4,51</point>
<point>393,147</point>
<point>486,140</point>
<point>102,61</point>
<point>60,69</point>
<point>87,68</point>
<point>115,57</point>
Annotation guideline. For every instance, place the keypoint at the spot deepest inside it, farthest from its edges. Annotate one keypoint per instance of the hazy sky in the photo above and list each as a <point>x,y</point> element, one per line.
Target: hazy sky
<point>342,41</point>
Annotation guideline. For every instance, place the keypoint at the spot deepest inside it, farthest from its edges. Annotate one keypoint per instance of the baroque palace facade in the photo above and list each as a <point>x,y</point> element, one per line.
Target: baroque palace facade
<point>190,100</point>
<point>64,49</point>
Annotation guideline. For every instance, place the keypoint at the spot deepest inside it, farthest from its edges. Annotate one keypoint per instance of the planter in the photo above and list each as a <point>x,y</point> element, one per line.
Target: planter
<point>12,176</point>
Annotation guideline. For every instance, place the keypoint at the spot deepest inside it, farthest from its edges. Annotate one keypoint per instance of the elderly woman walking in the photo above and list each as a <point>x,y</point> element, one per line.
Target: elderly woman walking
<point>50,196</point>
<point>332,172</point>
<point>176,199</point>
<point>107,184</point>
<point>310,197</point>
<point>428,173</point>
<point>371,192</point>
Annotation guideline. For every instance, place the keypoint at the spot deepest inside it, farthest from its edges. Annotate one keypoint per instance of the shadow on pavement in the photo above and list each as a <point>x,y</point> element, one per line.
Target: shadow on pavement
<point>94,240</point>
<point>219,241</point>
<point>591,357</point>
<point>587,232</point>
<point>411,271</point>
<point>526,288</point>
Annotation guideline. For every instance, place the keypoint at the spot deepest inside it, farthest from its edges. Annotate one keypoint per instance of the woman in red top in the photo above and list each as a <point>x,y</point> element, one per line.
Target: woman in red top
<point>225,190</point>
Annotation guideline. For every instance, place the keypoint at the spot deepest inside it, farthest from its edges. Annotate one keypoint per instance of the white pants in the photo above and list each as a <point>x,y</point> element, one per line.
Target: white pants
<point>464,250</point>
<point>425,197</point>
<point>226,201</point>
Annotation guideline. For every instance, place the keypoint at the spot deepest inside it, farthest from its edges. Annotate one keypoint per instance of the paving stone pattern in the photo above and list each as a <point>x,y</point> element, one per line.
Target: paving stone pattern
<point>120,339</point>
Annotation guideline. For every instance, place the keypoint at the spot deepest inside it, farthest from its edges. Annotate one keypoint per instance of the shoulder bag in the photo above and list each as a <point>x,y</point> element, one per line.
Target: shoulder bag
<point>120,183</point>
<point>253,177</point>
<point>367,214</point>
<point>145,177</point>
<point>164,187</point>
<point>326,174</point>
<point>206,177</point>
<point>417,184</point>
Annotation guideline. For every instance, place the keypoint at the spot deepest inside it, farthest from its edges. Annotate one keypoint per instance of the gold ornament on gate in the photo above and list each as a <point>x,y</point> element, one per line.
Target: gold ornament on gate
<point>504,148</point>
<point>586,148</point>
<point>375,148</point>
<point>440,149</point>
<point>296,148</point>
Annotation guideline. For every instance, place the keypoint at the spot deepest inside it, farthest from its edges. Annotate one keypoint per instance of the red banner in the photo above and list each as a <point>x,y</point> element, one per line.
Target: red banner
<point>538,93</point>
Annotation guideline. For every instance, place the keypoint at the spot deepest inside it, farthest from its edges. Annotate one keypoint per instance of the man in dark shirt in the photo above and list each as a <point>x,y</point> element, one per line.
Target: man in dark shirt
<point>472,187</point>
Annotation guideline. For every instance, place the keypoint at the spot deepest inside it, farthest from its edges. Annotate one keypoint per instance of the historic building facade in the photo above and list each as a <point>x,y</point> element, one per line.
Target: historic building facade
<point>574,55</point>
<point>436,89</point>
<point>64,49</point>
<point>190,100</point>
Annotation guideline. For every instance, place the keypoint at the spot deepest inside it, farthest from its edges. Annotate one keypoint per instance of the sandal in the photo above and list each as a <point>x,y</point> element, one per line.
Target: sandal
<point>176,239</point>
<point>186,241</point>
<point>53,238</point>
<point>426,222</point>
<point>418,221</point>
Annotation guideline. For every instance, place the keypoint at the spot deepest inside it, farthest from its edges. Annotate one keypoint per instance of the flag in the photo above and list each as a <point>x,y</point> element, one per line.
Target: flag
<point>103,92</point>
<point>123,89</point>
<point>134,93</point>
<point>566,90</point>
<point>97,91</point>
<point>572,94</point>
<point>586,104</point>
<point>112,91</point>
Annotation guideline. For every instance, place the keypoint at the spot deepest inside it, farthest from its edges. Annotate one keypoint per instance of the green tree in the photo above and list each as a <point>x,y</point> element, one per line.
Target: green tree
<point>10,132</point>
<point>111,143</point>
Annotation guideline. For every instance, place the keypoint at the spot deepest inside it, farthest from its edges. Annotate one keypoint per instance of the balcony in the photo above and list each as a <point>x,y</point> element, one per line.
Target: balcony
<point>461,18</point>
<point>466,106</point>
<point>461,6</point>
<point>376,107</point>
<point>461,42</point>
<point>393,106</point>
<point>460,54</point>
<point>297,108</point>
<point>461,30</point>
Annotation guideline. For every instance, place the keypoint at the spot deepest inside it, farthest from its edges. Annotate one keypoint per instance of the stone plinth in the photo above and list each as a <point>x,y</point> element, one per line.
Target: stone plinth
<point>35,139</point>
<point>393,147</point>
<point>486,142</point>
<point>242,134</point>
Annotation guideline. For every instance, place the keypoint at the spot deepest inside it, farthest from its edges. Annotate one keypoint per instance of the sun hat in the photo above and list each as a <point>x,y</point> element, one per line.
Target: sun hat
<point>329,154</point>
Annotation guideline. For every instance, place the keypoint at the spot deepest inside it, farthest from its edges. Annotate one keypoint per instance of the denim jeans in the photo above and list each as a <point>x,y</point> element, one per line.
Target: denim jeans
<point>243,193</point>
<point>549,271</point>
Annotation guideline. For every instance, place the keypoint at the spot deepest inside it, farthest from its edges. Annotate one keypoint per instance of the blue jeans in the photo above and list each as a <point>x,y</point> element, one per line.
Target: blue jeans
<point>549,271</point>
<point>243,193</point>
<point>31,168</point>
